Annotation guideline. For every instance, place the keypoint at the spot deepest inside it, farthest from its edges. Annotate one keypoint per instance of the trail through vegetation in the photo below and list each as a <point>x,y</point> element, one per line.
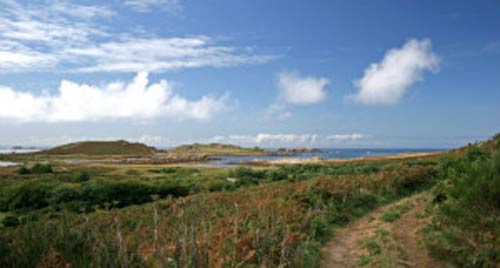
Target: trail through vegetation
<point>387,237</point>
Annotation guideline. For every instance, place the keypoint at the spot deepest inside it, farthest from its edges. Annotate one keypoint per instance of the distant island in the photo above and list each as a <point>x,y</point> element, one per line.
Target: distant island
<point>119,147</point>
<point>218,149</point>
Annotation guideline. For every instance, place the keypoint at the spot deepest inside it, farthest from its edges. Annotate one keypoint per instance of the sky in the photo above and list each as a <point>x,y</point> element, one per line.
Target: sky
<point>346,74</point>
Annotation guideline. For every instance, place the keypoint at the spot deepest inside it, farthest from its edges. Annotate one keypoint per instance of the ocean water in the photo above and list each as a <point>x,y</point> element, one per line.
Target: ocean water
<point>8,164</point>
<point>18,151</point>
<point>325,154</point>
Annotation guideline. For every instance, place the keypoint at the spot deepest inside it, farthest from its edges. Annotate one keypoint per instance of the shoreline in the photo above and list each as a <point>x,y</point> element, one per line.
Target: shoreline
<point>318,160</point>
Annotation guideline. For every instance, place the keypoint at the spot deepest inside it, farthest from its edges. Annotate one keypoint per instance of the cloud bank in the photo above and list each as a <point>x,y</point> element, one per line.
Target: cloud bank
<point>137,99</point>
<point>386,82</point>
<point>275,140</point>
<point>302,90</point>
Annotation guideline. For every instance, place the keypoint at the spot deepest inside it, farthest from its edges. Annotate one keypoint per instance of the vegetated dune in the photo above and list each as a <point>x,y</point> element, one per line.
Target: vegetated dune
<point>120,147</point>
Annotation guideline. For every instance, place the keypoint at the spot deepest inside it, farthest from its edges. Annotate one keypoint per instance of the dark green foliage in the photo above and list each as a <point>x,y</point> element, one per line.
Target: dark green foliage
<point>36,169</point>
<point>477,154</point>
<point>247,173</point>
<point>322,228</point>
<point>89,193</point>
<point>247,176</point>
<point>28,196</point>
<point>466,227</point>
<point>83,176</point>
<point>41,168</point>
<point>277,175</point>
<point>23,171</point>
<point>10,221</point>
<point>246,181</point>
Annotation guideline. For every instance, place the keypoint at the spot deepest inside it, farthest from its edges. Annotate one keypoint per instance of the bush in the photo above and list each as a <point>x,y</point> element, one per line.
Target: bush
<point>278,175</point>
<point>246,181</point>
<point>477,154</point>
<point>466,227</point>
<point>23,171</point>
<point>10,221</point>
<point>41,169</point>
<point>322,228</point>
<point>29,196</point>
<point>83,176</point>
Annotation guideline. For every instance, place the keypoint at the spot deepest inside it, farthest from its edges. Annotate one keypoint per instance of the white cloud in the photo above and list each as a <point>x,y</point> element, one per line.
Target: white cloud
<point>64,36</point>
<point>160,54</point>
<point>15,56</point>
<point>386,82</point>
<point>344,137</point>
<point>79,102</point>
<point>52,24</point>
<point>171,6</point>
<point>278,111</point>
<point>275,140</point>
<point>295,89</point>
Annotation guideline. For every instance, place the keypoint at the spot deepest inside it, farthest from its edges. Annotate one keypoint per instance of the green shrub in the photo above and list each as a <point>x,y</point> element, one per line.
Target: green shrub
<point>477,154</point>
<point>322,228</point>
<point>41,168</point>
<point>23,171</point>
<point>83,176</point>
<point>10,221</point>
<point>277,175</point>
<point>466,227</point>
<point>29,196</point>
<point>246,181</point>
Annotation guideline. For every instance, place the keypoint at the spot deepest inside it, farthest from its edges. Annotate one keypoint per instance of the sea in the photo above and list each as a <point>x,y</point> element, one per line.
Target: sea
<point>17,150</point>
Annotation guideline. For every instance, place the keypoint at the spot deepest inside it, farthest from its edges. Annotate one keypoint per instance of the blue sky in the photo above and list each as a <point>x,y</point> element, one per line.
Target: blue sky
<point>269,73</point>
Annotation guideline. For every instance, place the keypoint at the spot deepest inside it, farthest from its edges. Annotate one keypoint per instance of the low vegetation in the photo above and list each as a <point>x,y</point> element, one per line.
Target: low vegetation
<point>274,224</point>
<point>466,225</point>
<point>56,215</point>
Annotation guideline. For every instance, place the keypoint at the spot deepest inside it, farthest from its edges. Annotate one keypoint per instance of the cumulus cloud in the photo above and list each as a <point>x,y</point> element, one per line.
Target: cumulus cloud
<point>274,140</point>
<point>302,90</point>
<point>386,82</point>
<point>79,102</point>
<point>66,36</point>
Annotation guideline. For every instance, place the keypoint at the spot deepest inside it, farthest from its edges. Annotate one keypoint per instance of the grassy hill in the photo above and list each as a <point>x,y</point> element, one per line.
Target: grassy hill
<point>101,148</point>
<point>217,149</point>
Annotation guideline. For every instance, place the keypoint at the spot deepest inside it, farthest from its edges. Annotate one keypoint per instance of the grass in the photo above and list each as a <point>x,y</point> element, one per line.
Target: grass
<point>395,213</point>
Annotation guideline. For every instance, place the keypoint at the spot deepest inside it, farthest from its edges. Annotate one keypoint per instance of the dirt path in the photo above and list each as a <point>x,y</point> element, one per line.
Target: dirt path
<point>386,237</point>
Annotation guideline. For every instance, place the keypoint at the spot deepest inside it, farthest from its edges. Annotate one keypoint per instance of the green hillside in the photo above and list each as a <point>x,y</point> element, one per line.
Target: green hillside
<point>217,149</point>
<point>101,148</point>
